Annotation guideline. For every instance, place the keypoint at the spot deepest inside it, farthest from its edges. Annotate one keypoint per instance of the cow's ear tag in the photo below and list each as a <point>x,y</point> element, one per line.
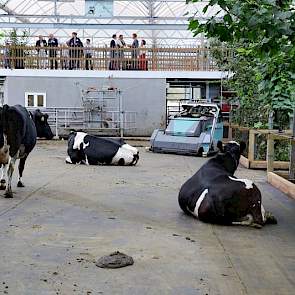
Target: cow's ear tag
<point>242,146</point>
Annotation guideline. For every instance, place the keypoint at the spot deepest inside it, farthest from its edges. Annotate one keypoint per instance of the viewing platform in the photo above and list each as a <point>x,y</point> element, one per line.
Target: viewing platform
<point>104,58</point>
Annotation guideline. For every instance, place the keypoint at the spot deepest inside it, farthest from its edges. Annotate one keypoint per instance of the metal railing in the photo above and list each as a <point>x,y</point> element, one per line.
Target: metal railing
<point>75,118</point>
<point>103,58</point>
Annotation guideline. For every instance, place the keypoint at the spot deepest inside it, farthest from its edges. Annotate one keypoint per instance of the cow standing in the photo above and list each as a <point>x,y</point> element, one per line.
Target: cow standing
<point>214,195</point>
<point>17,139</point>
<point>41,122</point>
<point>92,150</point>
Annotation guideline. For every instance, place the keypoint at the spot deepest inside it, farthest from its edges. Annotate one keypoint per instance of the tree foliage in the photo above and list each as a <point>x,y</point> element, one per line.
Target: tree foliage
<point>261,35</point>
<point>18,39</point>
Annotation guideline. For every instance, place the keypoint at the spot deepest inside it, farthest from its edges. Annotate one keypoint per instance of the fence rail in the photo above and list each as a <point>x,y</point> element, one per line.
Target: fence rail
<point>103,58</point>
<point>260,146</point>
<point>62,119</point>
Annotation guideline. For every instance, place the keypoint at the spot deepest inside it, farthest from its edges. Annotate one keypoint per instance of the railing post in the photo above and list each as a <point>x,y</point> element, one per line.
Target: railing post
<point>251,146</point>
<point>270,153</point>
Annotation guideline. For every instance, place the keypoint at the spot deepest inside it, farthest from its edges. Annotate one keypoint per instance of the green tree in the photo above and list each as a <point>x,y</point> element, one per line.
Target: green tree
<point>17,53</point>
<point>261,35</point>
<point>18,39</point>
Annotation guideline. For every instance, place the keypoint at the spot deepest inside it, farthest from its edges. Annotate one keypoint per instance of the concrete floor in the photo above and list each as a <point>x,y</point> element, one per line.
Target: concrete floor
<point>68,216</point>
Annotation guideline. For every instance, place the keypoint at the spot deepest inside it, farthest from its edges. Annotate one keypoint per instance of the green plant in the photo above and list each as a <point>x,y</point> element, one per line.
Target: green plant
<point>260,35</point>
<point>19,39</point>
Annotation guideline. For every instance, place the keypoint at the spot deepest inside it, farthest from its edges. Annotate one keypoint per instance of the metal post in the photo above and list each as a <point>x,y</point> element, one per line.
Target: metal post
<point>292,151</point>
<point>56,123</point>
<point>121,114</point>
<point>207,92</point>
<point>221,93</point>
<point>270,120</point>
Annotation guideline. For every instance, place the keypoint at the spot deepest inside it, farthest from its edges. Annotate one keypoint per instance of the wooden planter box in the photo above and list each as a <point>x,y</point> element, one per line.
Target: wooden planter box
<point>282,184</point>
<point>260,164</point>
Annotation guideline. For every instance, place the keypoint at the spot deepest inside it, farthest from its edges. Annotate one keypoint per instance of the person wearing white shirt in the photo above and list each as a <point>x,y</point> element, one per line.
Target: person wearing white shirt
<point>88,55</point>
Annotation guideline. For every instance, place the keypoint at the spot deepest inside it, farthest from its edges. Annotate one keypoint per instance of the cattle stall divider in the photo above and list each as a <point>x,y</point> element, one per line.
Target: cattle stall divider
<point>64,119</point>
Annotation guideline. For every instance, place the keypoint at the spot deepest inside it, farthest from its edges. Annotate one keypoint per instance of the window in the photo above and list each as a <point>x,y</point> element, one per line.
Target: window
<point>35,100</point>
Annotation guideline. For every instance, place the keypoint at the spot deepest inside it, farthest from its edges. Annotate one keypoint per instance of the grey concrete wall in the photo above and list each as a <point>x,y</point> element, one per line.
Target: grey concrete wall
<point>147,97</point>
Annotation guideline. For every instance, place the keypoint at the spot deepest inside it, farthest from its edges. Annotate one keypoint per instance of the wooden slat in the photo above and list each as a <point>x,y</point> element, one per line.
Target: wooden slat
<point>282,184</point>
<point>244,162</point>
<point>251,145</point>
<point>270,153</point>
<point>261,164</point>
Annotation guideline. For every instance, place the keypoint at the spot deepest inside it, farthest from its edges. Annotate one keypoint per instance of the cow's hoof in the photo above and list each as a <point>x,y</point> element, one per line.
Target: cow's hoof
<point>270,219</point>
<point>8,195</point>
<point>2,184</point>
<point>256,225</point>
<point>20,184</point>
<point>68,160</point>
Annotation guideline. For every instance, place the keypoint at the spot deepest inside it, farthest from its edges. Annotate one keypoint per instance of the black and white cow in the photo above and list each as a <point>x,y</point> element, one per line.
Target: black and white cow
<point>92,150</point>
<point>214,195</point>
<point>41,122</point>
<point>17,139</point>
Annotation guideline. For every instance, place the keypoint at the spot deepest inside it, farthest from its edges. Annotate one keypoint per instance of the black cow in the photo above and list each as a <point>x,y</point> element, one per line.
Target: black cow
<point>92,150</point>
<point>41,122</point>
<point>214,195</point>
<point>17,139</point>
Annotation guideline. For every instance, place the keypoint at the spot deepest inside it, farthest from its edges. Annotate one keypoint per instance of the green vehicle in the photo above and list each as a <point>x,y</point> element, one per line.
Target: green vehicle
<point>195,130</point>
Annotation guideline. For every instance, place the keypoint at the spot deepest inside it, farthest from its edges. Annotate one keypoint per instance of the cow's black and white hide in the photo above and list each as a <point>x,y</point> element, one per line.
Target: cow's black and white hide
<point>17,139</point>
<point>92,150</point>
<point>214,195</point>
<point>41,122</point>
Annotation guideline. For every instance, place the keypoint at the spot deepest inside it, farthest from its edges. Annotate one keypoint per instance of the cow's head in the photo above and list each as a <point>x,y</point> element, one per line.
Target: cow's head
<point>41,121</point>
<point>4,147</point>
<point>230,154</point>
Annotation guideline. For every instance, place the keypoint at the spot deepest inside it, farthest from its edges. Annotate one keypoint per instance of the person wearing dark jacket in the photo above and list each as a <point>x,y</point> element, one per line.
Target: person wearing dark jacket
<point>53,44</point>
<point>134,53</point>
<point>74,53</point>
<point>113,53</point>
<point>41,45</point>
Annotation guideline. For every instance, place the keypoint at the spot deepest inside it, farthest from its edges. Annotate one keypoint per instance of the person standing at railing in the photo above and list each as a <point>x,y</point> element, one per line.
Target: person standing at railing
<point>121,45</point>
<point>41,45</point>
<point>113,53</point>
<point>88,55</point>
<point>53,44</point>
<point>7,64</point>
<point>75,52</point>
<point>134,53</point>
<point>142,56</point>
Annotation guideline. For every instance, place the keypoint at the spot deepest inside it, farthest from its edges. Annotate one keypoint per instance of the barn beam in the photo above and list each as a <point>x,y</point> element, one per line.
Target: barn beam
<point>117,26</point>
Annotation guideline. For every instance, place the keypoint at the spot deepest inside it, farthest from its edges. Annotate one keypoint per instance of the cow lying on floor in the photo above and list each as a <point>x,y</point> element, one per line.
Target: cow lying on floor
<point>92,150</point>
<point>17,139</point>
<point>214,195</point>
